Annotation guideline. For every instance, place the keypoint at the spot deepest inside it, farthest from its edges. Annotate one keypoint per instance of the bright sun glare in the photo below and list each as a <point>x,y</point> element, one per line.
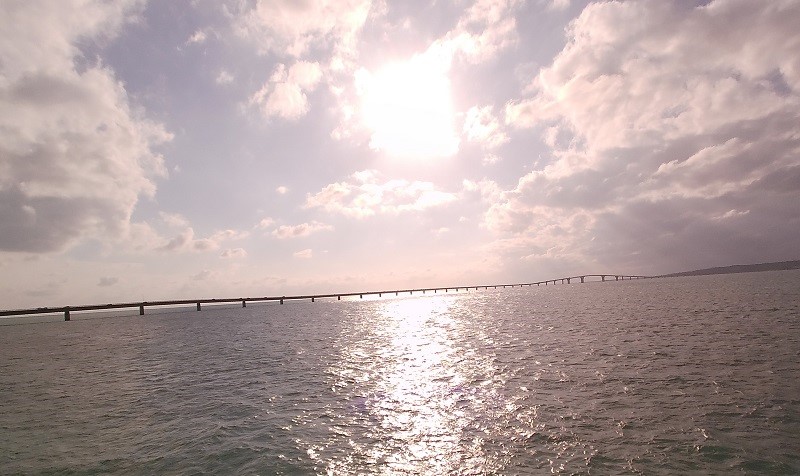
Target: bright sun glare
<point>409,109</point>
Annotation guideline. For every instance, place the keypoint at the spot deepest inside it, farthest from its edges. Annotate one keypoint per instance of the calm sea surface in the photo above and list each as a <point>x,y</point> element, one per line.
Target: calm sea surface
<point>669,376</point>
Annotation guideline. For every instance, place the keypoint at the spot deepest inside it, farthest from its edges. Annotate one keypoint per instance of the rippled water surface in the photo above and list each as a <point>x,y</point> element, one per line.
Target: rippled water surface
<point>669,376</point>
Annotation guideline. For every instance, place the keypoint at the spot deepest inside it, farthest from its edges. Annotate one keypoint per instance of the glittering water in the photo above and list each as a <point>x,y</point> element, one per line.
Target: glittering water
<point>671,376</point>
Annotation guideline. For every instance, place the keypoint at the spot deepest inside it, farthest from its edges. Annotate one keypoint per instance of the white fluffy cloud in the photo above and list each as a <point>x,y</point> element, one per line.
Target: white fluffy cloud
<point>264,223</point>
<point>186,241</point>
<point>365,195</point>
<point>74,156</point>
<point>289,27</point>
<point>304,254</point>
<point>233,253</point>
<point>284,95</point>
<point>481,125</point>
<point>224,78</point>
<point>486,28</point>
<point>301,230</point>
<point>665,117</point>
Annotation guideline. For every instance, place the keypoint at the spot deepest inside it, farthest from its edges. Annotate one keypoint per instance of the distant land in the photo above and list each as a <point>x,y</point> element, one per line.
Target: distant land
<point>739,268</point>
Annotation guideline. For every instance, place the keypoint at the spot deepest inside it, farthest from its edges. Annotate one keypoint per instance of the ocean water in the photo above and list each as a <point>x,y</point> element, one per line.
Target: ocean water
<point>696,375</point>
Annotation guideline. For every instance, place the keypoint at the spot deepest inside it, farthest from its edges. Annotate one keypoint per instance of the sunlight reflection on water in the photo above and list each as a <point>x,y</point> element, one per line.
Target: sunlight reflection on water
<point>413,372</point>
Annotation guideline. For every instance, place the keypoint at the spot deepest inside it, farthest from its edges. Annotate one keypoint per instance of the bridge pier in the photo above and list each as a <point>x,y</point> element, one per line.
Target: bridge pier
<point>66,315</point>
<point>568,281</point>
<point>338,298</point>
<point>198,306</point>
<point>582,278</point>
<point>616,278</point>
<point>282,300</point>
<point>602,277</point>
<point>141,309</point>
<point>312,299</point>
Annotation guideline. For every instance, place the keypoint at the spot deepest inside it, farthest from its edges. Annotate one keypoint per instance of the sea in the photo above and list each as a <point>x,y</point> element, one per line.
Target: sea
<point>688,375</point>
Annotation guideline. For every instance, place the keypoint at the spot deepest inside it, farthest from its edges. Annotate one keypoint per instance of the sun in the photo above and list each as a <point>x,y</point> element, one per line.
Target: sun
<point>408,107</point>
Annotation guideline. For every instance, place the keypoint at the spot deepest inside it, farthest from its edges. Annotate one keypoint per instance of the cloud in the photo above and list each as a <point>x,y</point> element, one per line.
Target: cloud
<point>174,219</point>
<point>74,155</point>
<point>486,28</point>
<point>197,37</point>
<point>186,241</point>
<point>264,223</point>
<point>284,95</point>
<point>304,254</point>
<point>364,195</point>
<point>282,190</point>
<point>664,117</point>
<point>107,281</point>
<point>480,125</point>
<point>233,253</point>
<point>288,27</point>
<point>224,77</point>
<point>301,230</point>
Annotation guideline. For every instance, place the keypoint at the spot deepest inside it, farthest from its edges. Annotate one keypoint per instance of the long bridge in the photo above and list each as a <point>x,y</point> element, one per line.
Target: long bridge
<point>66,310</point>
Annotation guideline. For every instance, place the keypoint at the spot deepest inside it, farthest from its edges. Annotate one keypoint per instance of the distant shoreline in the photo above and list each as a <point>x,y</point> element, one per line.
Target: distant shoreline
<point>739,268</point>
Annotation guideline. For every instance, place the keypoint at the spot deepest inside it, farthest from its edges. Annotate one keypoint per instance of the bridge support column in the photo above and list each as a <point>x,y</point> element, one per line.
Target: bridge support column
<point>338,298</point>
<point>141,309</point>
<point>282,300</point>
<point>244,303</point>
<point>603,277</point>
<point>66,315</point>
<point>198,306</point>
<point>568,281</point>
<point>312,299</point>
<point>616,278</point>
<point>582,278</point>
<point>361,296</point>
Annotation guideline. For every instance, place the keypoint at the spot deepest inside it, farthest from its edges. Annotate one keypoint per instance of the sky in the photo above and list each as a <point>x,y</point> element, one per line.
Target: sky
<point>199,148</point>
